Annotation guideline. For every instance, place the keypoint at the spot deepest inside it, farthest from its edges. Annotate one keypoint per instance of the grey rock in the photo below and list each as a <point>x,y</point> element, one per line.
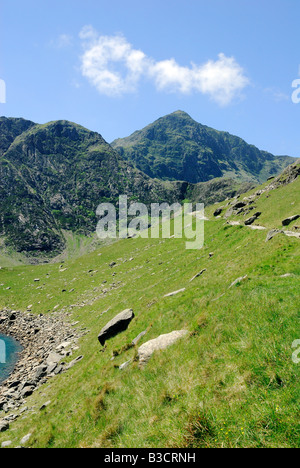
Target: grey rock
<point>198,274</point>
<point>238,205</point>
<point>162,342</point>
<point>40,371</point>
<point>117,325</point>
<point>27,391</point>
<point>273,233</point>
<point>253,218</point>
<point>174,293</point>
<point>138,338</point>
<point>51,368</point>
<point>53,358</point>
<point>288,221</point>
<point>72,363</point>
<point>218,212</point>
<point>45,405</point>
<point>25,439</point>
<point>126,364</point>
<point>5,444</point>
<point>4,426</point>
<point>238,280</point>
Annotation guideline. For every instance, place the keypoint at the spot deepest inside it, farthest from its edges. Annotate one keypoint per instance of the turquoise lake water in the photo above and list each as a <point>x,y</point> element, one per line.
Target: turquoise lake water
<point>9,355</point>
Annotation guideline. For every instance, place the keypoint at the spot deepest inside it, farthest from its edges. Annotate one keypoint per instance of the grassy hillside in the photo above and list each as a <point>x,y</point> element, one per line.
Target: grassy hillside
<point>230,382</point>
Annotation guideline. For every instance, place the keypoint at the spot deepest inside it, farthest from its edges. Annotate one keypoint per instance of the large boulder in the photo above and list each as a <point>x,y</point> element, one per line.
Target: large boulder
<point>253,218</point>
<point>116,325</point>
<point>162,342</point>
<point>4,426</point>
<point>288,221</point>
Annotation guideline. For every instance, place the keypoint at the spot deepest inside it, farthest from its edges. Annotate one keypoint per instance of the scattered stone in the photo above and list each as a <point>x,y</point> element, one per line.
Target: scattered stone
<point>126,364</point>
<point>288,221</point>
<point>238,205</point>
<point>4,426</point>
<point>258,228</point>
<point>238,280</point>
<point>138,338</point>
<point>234,223</point>
<point>174,293</point>
<point>27,391</point>
<point>45,405</point>
<point>292,234</point>
<point>64,345</point>
<point>117,325</point>
<point>72,363</point>
<point>252,219</point>
<point>162,342</point>
<point>6,444</point>
<point>273,233</point>
<point>25,439</point>
<point>53,358</point>
<point>198,274</point>
<point>218,212</point>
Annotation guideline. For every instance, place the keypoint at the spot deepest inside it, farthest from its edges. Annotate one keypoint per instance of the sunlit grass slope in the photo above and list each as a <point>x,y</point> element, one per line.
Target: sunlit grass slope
<point>230,382</point>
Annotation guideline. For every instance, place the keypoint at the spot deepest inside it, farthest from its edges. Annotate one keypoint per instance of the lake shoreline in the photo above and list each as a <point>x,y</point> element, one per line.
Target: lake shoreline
<point>46,341</point>
<point>10,352</point>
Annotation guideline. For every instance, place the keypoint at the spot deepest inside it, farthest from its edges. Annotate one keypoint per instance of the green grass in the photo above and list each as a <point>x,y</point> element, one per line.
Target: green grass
<point>230,383</point>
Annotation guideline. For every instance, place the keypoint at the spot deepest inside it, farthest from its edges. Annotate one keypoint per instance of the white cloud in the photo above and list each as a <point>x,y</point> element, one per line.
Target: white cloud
<point>114,67</point>
<point>111,64</point>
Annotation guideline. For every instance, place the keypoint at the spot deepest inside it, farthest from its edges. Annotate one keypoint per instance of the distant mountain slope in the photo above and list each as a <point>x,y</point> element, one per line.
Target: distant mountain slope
<point>175,147</point>
<point>53,177</point>
<point>10,129</point>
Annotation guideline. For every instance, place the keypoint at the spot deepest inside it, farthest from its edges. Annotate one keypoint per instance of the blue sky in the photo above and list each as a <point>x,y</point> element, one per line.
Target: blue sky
<point>116,66</point>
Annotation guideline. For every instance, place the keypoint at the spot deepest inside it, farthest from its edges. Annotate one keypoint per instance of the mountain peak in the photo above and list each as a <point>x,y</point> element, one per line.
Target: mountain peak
<point>176,147</point>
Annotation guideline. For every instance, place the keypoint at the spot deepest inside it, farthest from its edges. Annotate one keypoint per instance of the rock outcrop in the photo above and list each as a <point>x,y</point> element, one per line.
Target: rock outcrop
<point>117,325</point>
<point>291,219</point>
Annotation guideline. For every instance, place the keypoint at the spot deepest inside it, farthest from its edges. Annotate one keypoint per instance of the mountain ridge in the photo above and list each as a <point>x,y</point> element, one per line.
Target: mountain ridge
<point>54,175</point>
<point>176,147</point>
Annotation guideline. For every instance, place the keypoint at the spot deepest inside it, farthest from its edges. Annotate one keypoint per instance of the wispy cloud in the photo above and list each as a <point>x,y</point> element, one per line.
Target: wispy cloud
<point>63,41</point>
<point>114,67</point>
<point>277,95</point>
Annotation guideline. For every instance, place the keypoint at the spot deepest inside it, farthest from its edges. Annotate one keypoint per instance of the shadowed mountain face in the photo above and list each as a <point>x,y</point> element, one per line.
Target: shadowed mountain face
<point>53,177</point>
<point>10,129</point>
<point>175,147</point>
